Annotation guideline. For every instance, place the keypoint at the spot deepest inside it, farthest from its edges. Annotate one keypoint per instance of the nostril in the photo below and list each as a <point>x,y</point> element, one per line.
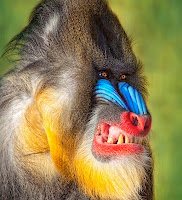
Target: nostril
<point>135,121</point>
<point>140,121</point>
<point>136,124</point>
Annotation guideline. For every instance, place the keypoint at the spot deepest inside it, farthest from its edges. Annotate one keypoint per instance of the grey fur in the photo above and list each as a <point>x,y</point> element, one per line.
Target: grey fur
<point>85,38</point>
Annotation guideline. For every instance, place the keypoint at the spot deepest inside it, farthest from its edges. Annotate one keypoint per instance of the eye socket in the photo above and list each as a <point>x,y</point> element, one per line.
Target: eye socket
<point>123,77</point>
<point>103,74</point>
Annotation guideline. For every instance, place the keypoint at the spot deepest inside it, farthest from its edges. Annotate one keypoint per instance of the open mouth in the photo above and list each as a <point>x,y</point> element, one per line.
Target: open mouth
<point>110,140</point>
<point>127,138</point>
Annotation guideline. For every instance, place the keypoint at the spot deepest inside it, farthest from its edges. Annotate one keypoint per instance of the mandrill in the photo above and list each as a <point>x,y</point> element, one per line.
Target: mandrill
<point>73,118</point>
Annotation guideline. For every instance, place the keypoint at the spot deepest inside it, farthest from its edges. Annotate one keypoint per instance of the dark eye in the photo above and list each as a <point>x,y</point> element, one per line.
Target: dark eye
<point>123,77</point>
<point>103,74</point>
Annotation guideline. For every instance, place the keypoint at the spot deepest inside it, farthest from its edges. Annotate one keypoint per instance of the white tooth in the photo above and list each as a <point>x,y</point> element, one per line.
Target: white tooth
<point>110,140</point>
<point>127,139</point>
<point>131,140</point>
<point>120,139</point>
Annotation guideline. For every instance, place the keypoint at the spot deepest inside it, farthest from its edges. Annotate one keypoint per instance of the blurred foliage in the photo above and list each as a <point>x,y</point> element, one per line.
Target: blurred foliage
<point>156,29</point>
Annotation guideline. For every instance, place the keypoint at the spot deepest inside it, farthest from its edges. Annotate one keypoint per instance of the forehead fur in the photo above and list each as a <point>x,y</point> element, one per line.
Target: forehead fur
<point>85,30</point>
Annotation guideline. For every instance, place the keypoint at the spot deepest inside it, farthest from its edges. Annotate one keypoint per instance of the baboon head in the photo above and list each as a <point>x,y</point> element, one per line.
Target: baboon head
<point>85,110</point>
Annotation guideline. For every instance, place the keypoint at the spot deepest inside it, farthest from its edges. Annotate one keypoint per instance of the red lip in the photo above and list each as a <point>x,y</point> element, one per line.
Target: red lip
<point>125,138</point>
<point>104,149</point>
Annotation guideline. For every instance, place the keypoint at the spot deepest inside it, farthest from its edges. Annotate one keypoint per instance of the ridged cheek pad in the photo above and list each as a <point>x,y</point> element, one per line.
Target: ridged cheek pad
<point>133,102</point>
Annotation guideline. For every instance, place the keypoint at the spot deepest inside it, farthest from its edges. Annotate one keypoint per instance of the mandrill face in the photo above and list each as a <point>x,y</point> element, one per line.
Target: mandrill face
<point>114,158</point>
<point>126,135</point>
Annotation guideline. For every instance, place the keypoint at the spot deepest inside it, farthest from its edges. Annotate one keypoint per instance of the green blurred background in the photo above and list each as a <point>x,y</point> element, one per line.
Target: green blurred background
<point>156,28</point>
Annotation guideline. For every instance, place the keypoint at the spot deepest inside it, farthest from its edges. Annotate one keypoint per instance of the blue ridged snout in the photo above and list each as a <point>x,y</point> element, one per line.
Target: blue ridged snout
<point>134,101</point>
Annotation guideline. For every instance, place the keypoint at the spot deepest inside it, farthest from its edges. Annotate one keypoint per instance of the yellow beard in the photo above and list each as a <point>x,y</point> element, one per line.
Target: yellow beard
<point>120,178</point>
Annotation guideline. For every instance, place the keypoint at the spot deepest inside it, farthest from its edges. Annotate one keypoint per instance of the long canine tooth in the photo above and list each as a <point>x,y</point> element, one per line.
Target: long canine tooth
<point>127,139</point>
<point>110,140</point>
<point>120,139</point>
